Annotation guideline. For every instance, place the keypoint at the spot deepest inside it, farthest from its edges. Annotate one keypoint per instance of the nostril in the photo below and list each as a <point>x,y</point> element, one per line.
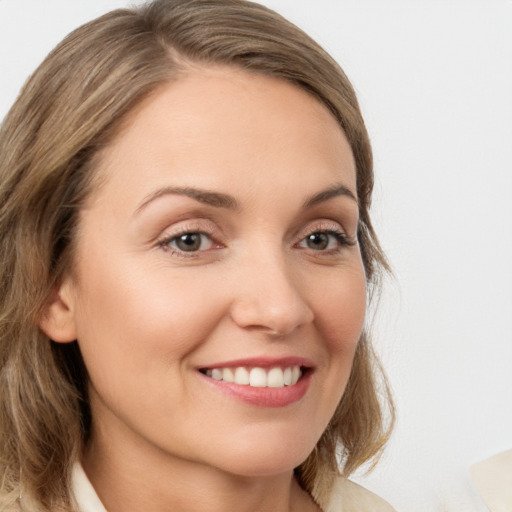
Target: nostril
<point>270,316</point>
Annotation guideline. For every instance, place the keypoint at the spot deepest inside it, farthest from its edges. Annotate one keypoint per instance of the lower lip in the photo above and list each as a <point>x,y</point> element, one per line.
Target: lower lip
<point>263,397</point>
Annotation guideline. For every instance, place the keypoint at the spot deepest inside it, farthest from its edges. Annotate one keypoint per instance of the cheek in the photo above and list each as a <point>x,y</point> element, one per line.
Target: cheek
<point>140,319</point>
<point>136,332</point>
<point>340,312</point>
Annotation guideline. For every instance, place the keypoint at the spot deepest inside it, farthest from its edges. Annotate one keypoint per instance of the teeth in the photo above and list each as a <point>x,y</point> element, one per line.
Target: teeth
<point>257,377</point>
<point>295,374</point>
<point>275,378</point>
<point>227,375</point>
<point>217,374</point>
<point>241,376</point>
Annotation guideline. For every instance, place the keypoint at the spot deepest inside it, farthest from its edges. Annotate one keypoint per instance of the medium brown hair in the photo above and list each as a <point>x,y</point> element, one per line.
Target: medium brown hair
<point>66,114</point>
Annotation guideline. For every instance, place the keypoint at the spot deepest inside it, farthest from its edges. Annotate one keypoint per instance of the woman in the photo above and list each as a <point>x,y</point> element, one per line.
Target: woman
<point>187,256</point>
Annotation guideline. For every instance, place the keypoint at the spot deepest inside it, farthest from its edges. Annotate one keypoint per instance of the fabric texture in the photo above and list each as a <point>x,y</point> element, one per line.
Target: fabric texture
<point>493,478</point>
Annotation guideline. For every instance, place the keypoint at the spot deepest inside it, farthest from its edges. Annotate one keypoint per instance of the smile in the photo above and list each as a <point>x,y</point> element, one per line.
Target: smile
<point>261,381</point>
<point>273,377</point>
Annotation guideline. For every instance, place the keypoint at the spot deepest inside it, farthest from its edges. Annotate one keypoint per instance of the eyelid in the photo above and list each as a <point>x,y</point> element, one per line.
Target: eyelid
<point>322,225</point>
<point>331,227</point>
<point>199,226</point>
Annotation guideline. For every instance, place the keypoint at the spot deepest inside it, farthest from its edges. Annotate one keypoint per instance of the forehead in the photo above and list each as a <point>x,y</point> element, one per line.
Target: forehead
<point>222,122</point>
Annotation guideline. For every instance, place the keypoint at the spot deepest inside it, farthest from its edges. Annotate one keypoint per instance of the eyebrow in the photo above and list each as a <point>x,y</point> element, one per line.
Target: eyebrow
<point>220,200</point>
<point>325,195</point>
<point>216,199</point>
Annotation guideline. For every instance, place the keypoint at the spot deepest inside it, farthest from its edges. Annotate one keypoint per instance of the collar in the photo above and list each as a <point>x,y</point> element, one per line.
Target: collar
<point>346,496</point>
<point>84,493</point>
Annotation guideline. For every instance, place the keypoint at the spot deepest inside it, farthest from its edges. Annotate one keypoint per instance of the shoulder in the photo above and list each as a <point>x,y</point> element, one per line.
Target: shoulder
<point>347,496</point>
<point>492,478</point>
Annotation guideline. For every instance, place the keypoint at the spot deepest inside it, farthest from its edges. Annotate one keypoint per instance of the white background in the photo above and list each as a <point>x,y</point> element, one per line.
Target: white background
<point>434,78</point>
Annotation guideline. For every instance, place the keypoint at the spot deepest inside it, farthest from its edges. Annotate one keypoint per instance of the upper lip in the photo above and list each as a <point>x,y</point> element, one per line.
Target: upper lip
<point>262,362</point>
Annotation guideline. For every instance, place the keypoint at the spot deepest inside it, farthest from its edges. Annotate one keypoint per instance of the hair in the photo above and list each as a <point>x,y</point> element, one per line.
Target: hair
<point>67,112</point>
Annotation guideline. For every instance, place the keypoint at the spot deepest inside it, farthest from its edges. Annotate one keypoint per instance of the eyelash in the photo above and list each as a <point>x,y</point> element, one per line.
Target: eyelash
<point>341,238</point>
<point>166,242</point>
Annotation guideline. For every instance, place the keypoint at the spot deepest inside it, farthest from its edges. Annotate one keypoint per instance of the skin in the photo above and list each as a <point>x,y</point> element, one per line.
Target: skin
<point>147,315</point>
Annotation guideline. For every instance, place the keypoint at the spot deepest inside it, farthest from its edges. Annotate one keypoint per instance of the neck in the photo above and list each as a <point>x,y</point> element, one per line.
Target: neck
<point>147,479</point>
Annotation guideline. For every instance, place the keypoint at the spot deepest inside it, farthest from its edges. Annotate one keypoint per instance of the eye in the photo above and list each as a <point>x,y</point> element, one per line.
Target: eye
<point>189,242</point>
<point>324,240</point>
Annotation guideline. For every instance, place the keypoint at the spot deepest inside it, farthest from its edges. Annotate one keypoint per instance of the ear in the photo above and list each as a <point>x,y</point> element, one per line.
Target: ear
<point>58,318</point>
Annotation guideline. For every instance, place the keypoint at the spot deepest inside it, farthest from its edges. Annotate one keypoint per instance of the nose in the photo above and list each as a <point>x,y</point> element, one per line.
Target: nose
<point>268,297</point>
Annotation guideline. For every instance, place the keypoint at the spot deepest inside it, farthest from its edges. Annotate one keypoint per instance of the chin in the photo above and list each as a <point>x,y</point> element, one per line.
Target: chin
<point>266,456</point>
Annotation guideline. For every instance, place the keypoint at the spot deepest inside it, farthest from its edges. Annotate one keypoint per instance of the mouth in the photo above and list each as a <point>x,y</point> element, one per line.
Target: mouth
<point>261,382</point>
<point>258,377</point>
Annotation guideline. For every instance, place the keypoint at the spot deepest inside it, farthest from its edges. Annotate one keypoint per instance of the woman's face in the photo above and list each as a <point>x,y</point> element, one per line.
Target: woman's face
<point>220,248</point>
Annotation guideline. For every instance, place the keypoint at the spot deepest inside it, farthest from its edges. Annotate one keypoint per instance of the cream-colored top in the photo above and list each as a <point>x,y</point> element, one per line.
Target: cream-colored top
<point>85,495</point>
<point>493,478</point>
<point>345,497</point>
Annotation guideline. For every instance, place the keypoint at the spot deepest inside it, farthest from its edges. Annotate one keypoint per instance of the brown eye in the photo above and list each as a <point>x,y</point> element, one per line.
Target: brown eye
<point>318,241</point>
<point>324,240</point>
<point>191,242</point>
